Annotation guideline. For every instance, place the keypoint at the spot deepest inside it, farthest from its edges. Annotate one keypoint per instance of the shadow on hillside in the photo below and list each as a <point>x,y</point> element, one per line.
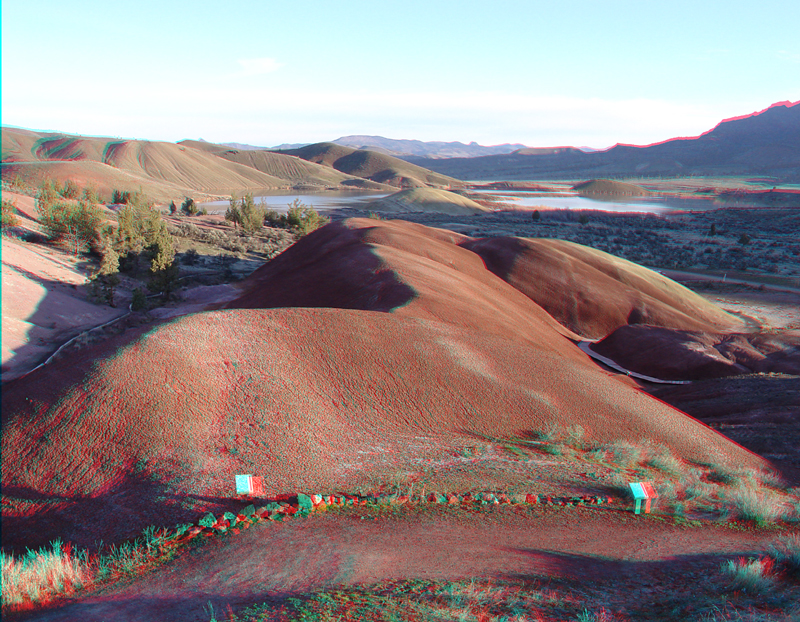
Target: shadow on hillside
<point>112,516</point>
<point>758,411</point>
<point>333,267</point>
<point>48,329</point>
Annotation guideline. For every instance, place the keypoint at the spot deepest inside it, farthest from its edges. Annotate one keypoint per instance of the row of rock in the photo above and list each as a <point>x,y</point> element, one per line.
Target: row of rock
<point>306,504</point>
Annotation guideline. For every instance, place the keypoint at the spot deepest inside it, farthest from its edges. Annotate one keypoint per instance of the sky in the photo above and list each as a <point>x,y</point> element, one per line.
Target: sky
<point>263,72</point>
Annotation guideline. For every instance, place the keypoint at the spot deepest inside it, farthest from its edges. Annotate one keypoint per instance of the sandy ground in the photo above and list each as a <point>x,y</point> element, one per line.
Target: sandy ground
<point>771,310</point>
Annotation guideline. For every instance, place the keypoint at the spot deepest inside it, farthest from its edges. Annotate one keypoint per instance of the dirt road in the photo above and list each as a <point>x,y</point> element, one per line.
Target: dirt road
<point>271,560</point>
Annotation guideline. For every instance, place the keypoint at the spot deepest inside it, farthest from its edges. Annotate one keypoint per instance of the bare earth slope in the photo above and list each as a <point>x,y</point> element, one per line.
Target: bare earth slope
<point>372,165</point>
<point>687,355</point>
<point>311,399</point>
<point>427,200</point>
<point>591,292</point>
<point>151,431</point>
<point>163,170</point>
<point>291,168</point>
<point>609,188</point>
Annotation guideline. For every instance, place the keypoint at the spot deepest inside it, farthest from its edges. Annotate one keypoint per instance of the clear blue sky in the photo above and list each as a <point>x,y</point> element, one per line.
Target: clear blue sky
<point>267,72</point>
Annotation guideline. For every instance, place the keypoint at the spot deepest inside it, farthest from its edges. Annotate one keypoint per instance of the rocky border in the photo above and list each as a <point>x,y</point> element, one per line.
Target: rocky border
<point>302,505</point>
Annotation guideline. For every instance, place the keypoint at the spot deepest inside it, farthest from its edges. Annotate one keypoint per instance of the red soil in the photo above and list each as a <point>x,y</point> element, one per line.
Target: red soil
<point>112,440</point>
<point>592,292</point>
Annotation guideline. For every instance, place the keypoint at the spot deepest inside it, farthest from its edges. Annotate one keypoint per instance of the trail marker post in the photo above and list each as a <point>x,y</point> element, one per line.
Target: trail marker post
<point>643,491</point>
<point>249,485</point>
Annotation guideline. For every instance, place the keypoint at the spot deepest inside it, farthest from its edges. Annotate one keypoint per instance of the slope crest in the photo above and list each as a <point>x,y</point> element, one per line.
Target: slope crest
<point>403,268</point>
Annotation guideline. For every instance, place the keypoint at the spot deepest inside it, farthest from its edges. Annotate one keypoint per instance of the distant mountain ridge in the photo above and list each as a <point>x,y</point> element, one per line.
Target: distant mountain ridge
<point>764,143</point>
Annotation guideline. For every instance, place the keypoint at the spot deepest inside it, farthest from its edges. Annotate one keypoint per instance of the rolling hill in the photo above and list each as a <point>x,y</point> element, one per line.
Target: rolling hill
<point>378,167</point>
<point>168,171</point>
<point>300,172</point>
<point>348,350</point>
<point>765,144</point>
<point>163,170</point>
<point>426,200</point>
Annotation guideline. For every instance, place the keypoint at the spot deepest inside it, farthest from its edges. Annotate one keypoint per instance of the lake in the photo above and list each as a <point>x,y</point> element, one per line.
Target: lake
<point>526,199</point>
<point>532,199</point>
<point>318,200</point>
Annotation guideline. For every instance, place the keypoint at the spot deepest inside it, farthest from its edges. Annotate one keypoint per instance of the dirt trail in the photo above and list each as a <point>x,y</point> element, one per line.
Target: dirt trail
<point>272,560</point>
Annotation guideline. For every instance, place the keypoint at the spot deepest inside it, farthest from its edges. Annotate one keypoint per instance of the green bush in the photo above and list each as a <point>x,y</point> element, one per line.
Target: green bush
<point>71,190</point>
<point>189,207</point>
<point>46,195</point>
<point>73,224</point>
<point>303,218</point>
<point>274,219</point>
<point>139,302</point>
<point>90,194</point>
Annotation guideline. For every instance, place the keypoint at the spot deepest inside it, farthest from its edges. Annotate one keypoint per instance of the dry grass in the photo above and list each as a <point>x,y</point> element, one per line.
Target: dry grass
<point>753,575</point>
<point>786,552</point>
<point>661,458</point>
<point>759,507</point>
<point>705,491</point>
<point>40,575</point>
<point>49,573</point>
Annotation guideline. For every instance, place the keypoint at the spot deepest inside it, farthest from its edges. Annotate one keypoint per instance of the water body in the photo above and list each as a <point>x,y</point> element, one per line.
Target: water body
<point>319,201</point>
<point>655,205</point>
<point>525,199</point>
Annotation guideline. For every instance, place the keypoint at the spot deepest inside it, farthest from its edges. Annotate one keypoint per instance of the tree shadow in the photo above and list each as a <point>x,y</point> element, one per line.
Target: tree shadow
<point>119,512</point>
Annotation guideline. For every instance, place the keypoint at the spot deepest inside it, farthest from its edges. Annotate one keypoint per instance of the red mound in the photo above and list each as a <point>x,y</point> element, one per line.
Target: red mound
<point>593,293</point>
<point>685,355</point>
<point>410,269</point>
<point>112,440</point>
<point>307,398</point>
